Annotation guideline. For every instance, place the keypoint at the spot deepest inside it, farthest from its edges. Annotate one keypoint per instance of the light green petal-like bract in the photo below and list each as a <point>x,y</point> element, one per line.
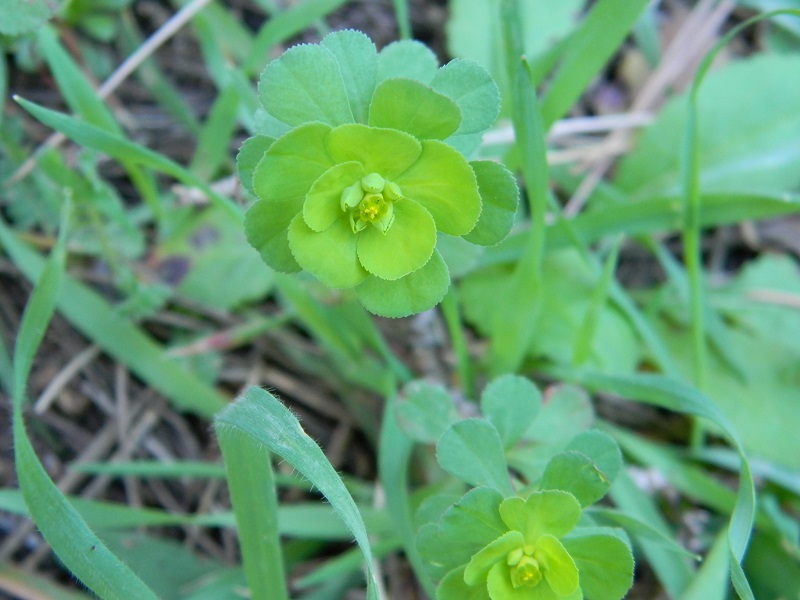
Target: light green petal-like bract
<point>415,108</point>
<point>321,207</point>
<point>265,226</point>
<point>472,88</point>
<point>418,291</point>
<point>293,163</point>
<point>305,84</point>
<point>443,182</point>
<point>453,587</point>
<point>554,512</point>
<point>250,154</point>
<point>330,255</point>
<point>387,152</point>
<point>404,248</point>
<point>561,573</point>
<point>483,560</point>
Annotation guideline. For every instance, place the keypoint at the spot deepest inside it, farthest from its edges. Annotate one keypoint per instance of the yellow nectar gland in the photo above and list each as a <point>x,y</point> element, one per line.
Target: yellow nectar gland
<point>370,202</point>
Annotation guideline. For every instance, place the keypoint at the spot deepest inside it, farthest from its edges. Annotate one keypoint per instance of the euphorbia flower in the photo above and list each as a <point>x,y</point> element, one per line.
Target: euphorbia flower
<point>367,170</point>
<point>528,562</point>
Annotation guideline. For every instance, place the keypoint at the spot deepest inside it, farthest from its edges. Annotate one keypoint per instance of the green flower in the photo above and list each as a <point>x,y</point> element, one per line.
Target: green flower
<point>529,562</point>
<point>359,168</point>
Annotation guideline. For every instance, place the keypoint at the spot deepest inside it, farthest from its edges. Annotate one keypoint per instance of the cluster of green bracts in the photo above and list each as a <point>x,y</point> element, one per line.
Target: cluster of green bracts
<point>360,168</point>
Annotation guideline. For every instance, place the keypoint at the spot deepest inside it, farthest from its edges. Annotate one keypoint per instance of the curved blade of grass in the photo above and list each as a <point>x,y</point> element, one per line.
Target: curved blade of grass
<point>76,545</point>
<point>676,396</point>
<point>586,51</point>
<point>90,314</point>
<point>255,503</point>
<point>261,417</point>
<point>124,150</point>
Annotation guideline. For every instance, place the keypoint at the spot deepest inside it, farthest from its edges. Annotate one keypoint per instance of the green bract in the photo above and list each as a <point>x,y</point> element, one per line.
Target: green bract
<point>360,166</point>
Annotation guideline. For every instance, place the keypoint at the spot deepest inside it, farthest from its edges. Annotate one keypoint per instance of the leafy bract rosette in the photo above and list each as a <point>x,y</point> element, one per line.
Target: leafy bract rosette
<point>360,168</point>
<point>486,547</point>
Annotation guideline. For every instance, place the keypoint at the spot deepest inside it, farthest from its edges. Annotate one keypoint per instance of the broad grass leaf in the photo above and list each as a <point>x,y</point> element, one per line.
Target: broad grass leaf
<point>511,403</point>
<point>330,255</point>
<point>443,182</point>
<point>263,418</point>
<point>421,290</point>
<point>499,199</point>
<point>358,62</point>
<point>305,84</point>
<point>747,137</point>
<point>406,246</point>
<point>407,58</point>
<point>472,451</point>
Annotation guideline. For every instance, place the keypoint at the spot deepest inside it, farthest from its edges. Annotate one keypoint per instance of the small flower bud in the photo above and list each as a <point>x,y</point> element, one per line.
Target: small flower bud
<point>392,192</point>
<point>351,196</point>
<point>373,183</point>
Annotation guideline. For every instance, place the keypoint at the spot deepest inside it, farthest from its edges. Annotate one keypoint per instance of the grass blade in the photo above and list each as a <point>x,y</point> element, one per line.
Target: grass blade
<point>260,416</point>
<point>255,504</point>
<point>76,545</point>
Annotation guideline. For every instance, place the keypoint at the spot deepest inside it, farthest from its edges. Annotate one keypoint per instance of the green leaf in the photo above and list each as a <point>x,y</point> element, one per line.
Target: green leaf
<point>251,483</point>
<point>305,84</point>
<point>552,512</point>
<point>601,449</point>
<point>358,62</point>
<point>575,473</point>
<point>265,420</point>
<point>471,450</point>
<point>330,255</point>
<point>561,572</point>
<point>293,163</point>
<point>605,564</point>
<point>323,202</point>
<point>453,587</point>
<point>443,182</point>
<point>407,58</point>
<point>478,568</point>
<point>405,247</point>
<point>758,154</point>
<point>511,404</point>
<point>266,225</point>
<point>471,87</point>
<point>421,290</point>
<point>425,411</point>
<point>384,151</point>
<point>250,153</point>
<point>23,16</point>
<point>499,199</point>
<point>212,247</point>
<point>415,108</point>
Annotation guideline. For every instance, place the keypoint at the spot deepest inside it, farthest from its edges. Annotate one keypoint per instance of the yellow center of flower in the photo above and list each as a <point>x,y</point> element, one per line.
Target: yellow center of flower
<point>370,202</point>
